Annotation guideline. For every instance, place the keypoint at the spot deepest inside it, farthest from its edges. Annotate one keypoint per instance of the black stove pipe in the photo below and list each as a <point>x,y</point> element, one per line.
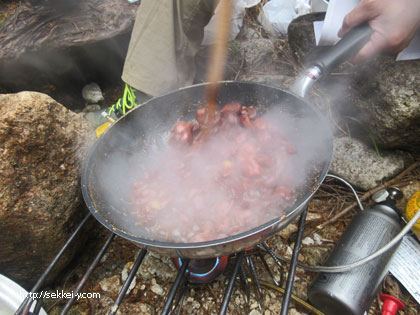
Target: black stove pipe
<point>27,302</point>
<point>123,291</point>
<point>181,274</point>
<point>293,264</point>
<point>229,289</point>
<point>88,272</point>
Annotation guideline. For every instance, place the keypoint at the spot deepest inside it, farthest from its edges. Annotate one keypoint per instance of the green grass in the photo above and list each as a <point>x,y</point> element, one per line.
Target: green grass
<point>372,138</point>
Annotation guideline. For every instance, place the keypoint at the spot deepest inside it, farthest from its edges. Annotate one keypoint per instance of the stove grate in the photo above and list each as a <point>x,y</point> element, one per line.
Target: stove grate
<point>181,279</point>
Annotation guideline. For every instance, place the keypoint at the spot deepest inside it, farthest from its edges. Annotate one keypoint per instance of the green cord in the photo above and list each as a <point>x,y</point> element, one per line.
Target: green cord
<point>128,101</point>
<point>294,297</point>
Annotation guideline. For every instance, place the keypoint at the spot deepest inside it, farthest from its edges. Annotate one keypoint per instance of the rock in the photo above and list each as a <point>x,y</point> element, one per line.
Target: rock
<point>314,255</point>
<point>254,311</point>
<point>91,108</point>
<point>156,288</point>
<point>361,165</point>
<point>317,238</point>
<point>387,94</point>
<point>42,145</point>
<point>124,275</point>
<point>288,230</point>
<point>311,216</point>
<point>257,53</point>
<point>126,271</point>
<point>281,81</point>
<point>293,311</point>
<point>248,33</point>
<point>308,241</point>
<point>302,37</point>
<point>111,284</point>
<point>57,49</point>
<point>136,308</point>
<point>92,93</point>
<point>289,252</point>
<point>153,264</point>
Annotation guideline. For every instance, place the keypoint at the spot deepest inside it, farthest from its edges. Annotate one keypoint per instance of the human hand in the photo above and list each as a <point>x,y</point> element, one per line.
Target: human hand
<point>394,24</point>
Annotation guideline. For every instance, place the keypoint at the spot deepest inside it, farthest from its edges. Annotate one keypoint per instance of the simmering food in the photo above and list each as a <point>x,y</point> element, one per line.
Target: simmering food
<point>207,186</point>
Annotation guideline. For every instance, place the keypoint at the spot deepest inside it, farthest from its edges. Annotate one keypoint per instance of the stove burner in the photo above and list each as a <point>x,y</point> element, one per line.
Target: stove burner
<point>203,270</point>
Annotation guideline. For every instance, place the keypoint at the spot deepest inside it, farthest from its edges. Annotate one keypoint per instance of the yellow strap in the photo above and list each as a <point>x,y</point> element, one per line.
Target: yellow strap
<point>101,129</point>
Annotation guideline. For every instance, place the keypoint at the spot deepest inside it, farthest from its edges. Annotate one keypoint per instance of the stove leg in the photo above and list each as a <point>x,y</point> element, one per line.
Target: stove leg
<point>256,280</point>
<point>88,272</point>
<point>293,264</point>
<point>181,275</point>
<point>277,261</point>
<point>132,274</point>
<point>180,295</point>
<point>245,284</point>
<point>26,304</point>
<point>229,289</point>
<point>37,307</point>
<point>277,283</point>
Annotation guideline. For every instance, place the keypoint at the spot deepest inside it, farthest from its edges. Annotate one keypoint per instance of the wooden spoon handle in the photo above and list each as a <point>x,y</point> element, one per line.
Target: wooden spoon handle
<point>218,56</point>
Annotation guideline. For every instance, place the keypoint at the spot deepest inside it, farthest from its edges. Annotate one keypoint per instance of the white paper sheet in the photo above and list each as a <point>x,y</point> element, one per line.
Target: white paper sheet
<point>336,11</point>
<point>405,266</point>
<point>326,31</point>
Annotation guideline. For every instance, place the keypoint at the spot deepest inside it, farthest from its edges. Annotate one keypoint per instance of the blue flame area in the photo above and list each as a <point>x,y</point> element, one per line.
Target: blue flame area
<point>202,275</point>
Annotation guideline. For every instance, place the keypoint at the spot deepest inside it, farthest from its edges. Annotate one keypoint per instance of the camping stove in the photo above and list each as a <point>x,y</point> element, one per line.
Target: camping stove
<point>189,271</point>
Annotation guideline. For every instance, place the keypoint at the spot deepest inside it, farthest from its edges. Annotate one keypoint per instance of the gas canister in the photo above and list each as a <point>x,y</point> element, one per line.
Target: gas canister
<point>352,292</point>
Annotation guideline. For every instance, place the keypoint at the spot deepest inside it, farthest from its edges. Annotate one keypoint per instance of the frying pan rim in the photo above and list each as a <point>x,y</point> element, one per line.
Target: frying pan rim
<point>226,240</point>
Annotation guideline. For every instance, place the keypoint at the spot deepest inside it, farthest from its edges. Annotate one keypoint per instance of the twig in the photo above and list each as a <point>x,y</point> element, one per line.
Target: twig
<point>240,69</point>
<point>367,195</point>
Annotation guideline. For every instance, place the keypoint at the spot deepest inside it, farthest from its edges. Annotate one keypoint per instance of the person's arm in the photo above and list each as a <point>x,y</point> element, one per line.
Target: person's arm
<point>394,22</point>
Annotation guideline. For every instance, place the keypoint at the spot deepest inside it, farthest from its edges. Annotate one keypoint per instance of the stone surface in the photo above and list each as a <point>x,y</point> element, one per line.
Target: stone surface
<point>314,255</point>
<point>279,80</point>
<point>91,108</point>
<point>388,97</point>
<point>361,165</point>
<point>92,93</point>
<point>42,145</point>
<point>308,241</point>
<point>58,48</point>
<point>302,37</point>
<point>111,284</point>
<point>257,52</point>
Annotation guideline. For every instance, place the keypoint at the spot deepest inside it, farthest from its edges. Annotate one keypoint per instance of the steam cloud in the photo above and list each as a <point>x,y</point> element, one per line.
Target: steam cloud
<point>122,171</point>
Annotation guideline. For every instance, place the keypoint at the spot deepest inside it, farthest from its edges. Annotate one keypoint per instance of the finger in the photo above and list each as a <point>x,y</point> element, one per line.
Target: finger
<point>363,12</point>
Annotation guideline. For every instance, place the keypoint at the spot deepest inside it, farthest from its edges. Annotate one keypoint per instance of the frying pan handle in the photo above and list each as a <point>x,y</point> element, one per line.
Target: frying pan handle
<point>346,48</point>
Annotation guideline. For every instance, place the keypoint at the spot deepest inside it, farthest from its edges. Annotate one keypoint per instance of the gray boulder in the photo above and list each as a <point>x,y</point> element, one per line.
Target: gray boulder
<point>257,52</point>
<point>388,96</point>
<point>302,37</point>
<point>57,46</point>
<point>361,165</point>
<point>42,145</point>
<point>281,81</point>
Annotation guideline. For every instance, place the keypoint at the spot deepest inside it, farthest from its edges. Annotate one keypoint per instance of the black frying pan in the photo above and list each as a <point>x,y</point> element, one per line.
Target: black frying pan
<point>106,188</point>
